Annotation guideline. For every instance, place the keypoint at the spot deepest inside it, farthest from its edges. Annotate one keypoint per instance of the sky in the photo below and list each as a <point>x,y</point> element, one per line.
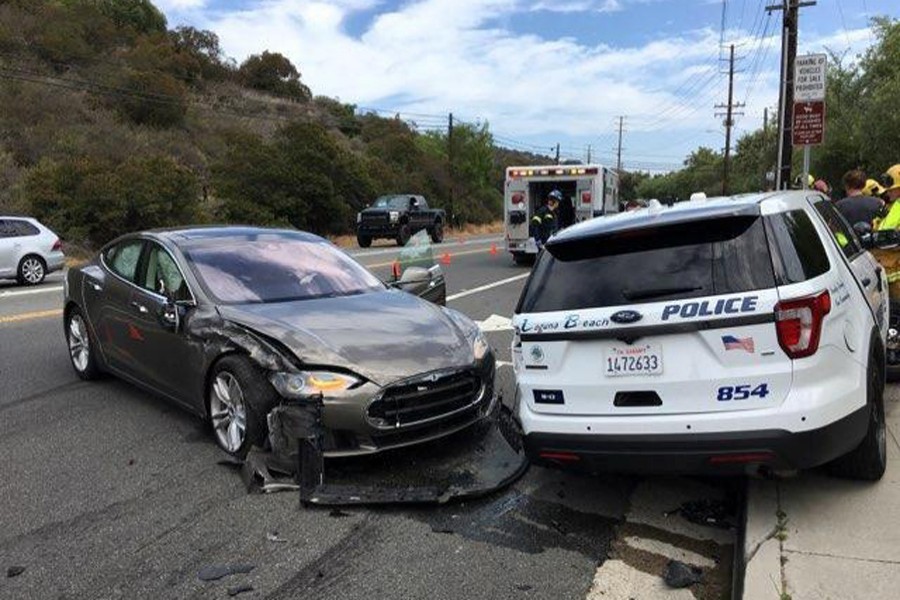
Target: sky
<point>543,72</point>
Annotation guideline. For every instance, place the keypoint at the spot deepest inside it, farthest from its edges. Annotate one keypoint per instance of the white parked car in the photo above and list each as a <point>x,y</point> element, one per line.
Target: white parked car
<point>28,250</point>
<point>722,335</point>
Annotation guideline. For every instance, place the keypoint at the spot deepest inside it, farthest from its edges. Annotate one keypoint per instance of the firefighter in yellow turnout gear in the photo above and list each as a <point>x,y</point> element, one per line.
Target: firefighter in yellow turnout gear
<point>889,258</point>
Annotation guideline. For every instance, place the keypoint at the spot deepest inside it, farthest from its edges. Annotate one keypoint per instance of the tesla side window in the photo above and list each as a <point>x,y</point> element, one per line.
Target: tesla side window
<point>277,269</point>
<point>122,258</point>
<point>163,276</point>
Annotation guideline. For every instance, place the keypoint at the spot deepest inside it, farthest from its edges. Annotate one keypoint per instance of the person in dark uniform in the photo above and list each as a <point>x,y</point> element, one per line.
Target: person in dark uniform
<point>544,223</point>
<point>856,206</point>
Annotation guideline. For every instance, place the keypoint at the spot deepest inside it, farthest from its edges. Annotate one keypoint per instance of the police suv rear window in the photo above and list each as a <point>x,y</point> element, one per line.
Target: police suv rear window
<point>688,260</point>
<point>797,251</point>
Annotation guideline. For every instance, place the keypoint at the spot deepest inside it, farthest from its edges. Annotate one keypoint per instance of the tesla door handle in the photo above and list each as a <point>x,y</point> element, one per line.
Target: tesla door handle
<point>867,281</point>
<point>140,307</point>
<point>96,286</point>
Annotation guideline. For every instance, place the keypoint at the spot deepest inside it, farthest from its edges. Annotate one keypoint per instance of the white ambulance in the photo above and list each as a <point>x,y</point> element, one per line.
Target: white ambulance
<point>588,191</point>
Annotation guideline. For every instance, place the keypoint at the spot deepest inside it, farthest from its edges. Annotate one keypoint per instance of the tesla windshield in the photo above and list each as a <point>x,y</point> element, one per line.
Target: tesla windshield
<point>277,270</point>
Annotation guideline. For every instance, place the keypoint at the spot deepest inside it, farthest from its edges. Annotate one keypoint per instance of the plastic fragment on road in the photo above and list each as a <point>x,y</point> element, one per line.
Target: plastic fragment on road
<point>680,575</point>
<point>14,571</point>
<point>240,589</point>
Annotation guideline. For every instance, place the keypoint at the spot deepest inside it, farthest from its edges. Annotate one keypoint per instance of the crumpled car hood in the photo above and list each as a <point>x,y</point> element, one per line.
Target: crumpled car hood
<point>383,336</point>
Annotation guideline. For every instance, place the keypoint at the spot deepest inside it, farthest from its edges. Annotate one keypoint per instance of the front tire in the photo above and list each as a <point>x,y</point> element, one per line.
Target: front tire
<point>403,234</point>
<point>82,349</point>
<point>437,232</point>
<point>32,270</point>
<point>868,461</point>
<point>239,398</point>
<point>364,241</point>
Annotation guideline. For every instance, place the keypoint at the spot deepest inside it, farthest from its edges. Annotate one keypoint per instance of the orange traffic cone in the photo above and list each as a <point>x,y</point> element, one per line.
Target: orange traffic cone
<point>494,249</point>
<point>395,270</point>
<point>445,260</point>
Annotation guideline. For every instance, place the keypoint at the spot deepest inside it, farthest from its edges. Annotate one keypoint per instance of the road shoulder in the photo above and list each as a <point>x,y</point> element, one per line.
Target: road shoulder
<point>816,536</point>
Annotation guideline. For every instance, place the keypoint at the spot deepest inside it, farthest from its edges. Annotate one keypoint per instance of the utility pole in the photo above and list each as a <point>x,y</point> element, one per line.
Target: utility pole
<point>729,119</point>
<point>557,153</point>
<point>450,166</point>
<point>619,147</point>
<point>765,155</point>
<point>589,154</point>
<point>789,25</point>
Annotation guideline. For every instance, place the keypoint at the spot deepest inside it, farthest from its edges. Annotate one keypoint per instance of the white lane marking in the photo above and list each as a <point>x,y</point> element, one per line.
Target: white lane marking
<point>487,287</point>
<point>669,551</point>
<point>434,247</point>
<point>495,323</point>
<point>43,290</point>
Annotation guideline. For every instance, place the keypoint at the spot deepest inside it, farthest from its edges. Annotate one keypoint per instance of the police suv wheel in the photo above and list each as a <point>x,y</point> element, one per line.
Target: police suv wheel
<point>364,241</point>
<point>868,461</point>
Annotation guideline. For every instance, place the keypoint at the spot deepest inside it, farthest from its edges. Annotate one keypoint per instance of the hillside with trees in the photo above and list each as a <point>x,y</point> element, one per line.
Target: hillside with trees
<point>862,130</point>
<point>111,121</point>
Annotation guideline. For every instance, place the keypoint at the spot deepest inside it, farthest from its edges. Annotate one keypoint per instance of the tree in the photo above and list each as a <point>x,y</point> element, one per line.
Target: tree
<point>140,15</point>
<point>92,201</point>
<point>273,73</point>
<point>154,98</point>
<point>301,178</point>
<point>202,47</point>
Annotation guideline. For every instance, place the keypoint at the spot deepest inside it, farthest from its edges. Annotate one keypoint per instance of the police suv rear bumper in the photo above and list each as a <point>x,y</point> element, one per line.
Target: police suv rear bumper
<point>704,453</point>
<point>528,246</point>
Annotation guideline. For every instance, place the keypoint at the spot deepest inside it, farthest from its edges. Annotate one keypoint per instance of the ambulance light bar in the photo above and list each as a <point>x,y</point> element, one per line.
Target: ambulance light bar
<point>553,171</point>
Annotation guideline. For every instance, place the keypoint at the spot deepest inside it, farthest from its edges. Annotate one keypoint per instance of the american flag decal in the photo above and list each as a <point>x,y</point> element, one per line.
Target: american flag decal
<point>733,343</point>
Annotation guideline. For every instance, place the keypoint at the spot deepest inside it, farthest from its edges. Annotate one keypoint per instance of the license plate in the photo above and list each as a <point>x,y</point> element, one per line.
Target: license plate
<point>640,359</point>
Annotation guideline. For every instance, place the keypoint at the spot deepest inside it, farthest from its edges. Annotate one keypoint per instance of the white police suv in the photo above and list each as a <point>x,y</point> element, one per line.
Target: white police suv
<point>722,335</point>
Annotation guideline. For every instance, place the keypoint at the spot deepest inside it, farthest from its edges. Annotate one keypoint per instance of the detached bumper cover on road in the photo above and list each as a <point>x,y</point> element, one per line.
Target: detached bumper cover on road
<point>727,452</point>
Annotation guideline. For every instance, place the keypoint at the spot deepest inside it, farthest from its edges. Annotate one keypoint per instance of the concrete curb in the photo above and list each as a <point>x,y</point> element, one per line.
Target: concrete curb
<point>762,548</point>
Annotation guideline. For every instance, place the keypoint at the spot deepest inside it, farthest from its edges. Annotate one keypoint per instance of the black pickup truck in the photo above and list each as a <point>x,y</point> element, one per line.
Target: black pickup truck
<point>398,217</point>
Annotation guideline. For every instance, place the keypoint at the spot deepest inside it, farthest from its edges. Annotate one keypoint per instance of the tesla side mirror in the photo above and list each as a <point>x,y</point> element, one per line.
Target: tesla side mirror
<point>428,284</point>
<point>415,276</point>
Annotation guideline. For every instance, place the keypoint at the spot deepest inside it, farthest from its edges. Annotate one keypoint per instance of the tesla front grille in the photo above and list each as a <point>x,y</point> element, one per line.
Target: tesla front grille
<point>425,399</point>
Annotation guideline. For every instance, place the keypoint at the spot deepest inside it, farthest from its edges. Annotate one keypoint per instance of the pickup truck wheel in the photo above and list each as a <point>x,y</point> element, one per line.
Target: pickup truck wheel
<point>403,234</point>
<point>868,460</point>
<point>437,232</point>
<point>364,241</point>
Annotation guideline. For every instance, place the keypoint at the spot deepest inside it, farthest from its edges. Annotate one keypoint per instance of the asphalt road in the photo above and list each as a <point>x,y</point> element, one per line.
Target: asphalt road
<point>109,492</point>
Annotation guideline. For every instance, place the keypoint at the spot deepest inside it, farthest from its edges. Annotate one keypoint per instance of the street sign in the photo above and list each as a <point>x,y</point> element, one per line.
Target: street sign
<point>809,77</point>
<point>809,123</point>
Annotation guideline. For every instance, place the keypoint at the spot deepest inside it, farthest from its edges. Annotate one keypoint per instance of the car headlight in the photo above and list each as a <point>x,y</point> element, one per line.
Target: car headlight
<point>480,346</point>
<point>307,384</point>
<point>395,216</point>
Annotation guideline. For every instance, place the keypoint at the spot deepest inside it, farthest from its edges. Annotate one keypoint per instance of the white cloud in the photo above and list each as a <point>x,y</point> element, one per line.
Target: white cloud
<point>446,55</point>
<point>436,56</point>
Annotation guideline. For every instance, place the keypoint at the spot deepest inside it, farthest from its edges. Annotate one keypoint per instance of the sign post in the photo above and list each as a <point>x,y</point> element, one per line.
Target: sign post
<point>809,105</point>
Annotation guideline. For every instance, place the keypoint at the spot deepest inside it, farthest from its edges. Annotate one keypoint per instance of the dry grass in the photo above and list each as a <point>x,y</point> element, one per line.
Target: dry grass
<point>468,231</point>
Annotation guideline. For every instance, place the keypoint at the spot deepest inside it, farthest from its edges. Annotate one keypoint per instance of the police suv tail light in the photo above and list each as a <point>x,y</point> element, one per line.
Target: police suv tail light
<point>799,324</point>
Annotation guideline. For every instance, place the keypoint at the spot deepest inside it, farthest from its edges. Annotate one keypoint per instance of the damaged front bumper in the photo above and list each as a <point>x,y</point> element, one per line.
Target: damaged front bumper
<point>370,419</point>
<point>473,463</point>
